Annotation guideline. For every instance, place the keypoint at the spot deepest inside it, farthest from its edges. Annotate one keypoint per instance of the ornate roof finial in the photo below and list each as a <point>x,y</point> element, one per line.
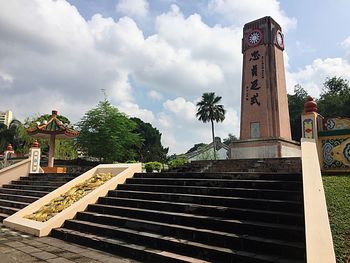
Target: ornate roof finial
<point>9,148</point>
<point>310,105</point>
<point>35,144</point>
<point>54,113</point>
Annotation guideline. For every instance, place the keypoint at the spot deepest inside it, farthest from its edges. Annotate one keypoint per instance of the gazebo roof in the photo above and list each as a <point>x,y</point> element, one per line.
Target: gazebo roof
<point>53,127</point>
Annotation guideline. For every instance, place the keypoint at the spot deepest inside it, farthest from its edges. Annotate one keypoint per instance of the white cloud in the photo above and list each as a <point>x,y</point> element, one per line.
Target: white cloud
<point>121,90</point>
<point>134,110</point>
<point>180,122</point>
<point>116,38</point>
<point>312,77</point>
<point>6,81</point>
<point>186,57</point>
<point>6,77</point>
<point>181,107</point>
<point>52,58</point>
<point>69,60</point>
<point>133,8</point>
<point>155,95</point>
<point>346,45</point>
<point>55,51</point>
<point>241,12</point>
<point>164,67</point>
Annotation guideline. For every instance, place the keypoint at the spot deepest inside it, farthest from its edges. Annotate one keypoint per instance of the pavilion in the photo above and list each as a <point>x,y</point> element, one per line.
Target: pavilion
<point>52,129</point>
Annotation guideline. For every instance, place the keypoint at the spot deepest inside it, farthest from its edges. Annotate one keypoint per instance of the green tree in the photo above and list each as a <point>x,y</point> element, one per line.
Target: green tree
<point>296,106</point>
<point>26,140</point>
<point>66,149</point>
<point>153,166</point>
<point>335,98</point>
<point>4,137</point>
<point>209,111</point>
<point>108,134</point>
<point>178,161</point>
<point>11,135</point>
<point>196,147</point>
<point>151,148</point>
<point>230,139</point>
<point>206,154</point>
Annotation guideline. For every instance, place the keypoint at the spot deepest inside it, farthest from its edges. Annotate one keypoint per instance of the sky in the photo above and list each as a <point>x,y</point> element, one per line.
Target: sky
<point>153,59</point>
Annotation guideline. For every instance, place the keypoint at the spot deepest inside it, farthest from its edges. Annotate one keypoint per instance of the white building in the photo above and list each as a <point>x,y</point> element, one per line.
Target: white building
<point>207,152</point>
<point>6,117</point>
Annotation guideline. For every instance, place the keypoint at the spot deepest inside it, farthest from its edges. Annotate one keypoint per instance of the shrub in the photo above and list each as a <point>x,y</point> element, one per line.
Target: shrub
<point>131,161</point>
<point>153,166</point>
<point>181,160</point>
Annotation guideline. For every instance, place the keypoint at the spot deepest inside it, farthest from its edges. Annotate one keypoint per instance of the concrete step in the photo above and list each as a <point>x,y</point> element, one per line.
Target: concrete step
<point>195,234</point>
<point>30,187</point>
<point>32,182</point>
<point>121,248</point>
<point>291,165</point>
<point>54,175</point>
<point>18,194</point>
<point>290,233</point>
<point>8,210</point>
<point>47,178</point>
<point>19,198</point>
<point>3,216</point>
<point>215,191</point>
<point>8,191</point>
<point>252,214</point>
<point>223,175</point>
<point>240,202</point>
<point>208,210</point>
<point>11,203</point>
<point>232,183</point>
<point>162,243</point>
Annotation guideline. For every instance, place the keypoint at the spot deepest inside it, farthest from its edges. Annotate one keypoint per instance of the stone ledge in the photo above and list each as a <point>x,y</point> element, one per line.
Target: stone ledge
<point>18,222</point>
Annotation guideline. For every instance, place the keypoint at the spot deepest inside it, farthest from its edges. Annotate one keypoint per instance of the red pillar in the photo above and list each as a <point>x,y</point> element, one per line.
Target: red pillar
<point>52,150</point>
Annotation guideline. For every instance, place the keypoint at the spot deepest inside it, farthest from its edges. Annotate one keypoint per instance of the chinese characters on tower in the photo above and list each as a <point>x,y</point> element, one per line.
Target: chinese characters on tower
<point>253,86</point>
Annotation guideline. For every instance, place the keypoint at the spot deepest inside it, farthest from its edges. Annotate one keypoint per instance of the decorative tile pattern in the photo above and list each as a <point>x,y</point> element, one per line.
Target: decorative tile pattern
<point>331,124</point>
<point>336,153</point>
<point>308,128</point>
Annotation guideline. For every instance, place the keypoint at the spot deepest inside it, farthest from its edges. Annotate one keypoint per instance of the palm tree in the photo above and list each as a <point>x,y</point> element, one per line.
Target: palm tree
<point>209,110</point>
<point>10,135</point>
<point>3,137</point>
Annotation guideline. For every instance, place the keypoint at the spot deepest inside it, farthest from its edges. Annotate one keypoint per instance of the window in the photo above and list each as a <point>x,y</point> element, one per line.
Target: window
<point>255,130</point>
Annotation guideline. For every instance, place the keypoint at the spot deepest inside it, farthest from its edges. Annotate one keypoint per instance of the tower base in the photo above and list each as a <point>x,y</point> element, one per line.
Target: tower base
<point>264,148</point>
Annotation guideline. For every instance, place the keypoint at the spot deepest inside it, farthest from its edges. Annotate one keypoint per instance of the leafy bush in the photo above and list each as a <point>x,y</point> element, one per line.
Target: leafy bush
<point>131,161</point>
<point>181,160</point>
<point>153,166</point>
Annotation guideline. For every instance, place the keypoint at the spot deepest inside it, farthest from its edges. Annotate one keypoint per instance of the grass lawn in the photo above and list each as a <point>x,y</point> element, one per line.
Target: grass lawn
<point>337,190</point>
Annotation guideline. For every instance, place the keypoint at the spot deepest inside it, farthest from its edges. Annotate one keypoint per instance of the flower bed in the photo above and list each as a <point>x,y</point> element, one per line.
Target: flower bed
<point>70,197</point>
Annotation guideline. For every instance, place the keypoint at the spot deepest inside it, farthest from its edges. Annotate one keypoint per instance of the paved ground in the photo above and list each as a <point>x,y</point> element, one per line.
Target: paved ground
<point>16,247</point>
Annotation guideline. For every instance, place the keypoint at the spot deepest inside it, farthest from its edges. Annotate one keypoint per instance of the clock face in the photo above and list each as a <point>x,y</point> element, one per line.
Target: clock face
<point>279,39</point>
<point>254,38</point>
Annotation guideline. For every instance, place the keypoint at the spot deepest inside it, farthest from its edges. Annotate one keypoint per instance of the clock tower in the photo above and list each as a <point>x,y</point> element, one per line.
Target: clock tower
<point>265,128</point>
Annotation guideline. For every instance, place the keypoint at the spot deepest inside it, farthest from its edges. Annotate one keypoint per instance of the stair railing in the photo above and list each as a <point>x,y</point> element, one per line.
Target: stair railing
<point>14,168</point>
<point>2,163</point>
<point>318,236</point>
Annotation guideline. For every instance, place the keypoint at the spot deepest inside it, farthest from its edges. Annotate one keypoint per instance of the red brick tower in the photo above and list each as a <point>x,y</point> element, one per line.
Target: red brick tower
<point>265,128</point>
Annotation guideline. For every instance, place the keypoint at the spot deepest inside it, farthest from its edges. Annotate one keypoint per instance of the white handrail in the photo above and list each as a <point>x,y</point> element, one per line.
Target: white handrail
<point>14,172</point>
<point>319,242</point>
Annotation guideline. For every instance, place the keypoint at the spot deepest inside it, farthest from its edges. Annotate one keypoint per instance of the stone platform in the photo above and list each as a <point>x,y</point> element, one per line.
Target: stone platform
<point>264,148</point>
